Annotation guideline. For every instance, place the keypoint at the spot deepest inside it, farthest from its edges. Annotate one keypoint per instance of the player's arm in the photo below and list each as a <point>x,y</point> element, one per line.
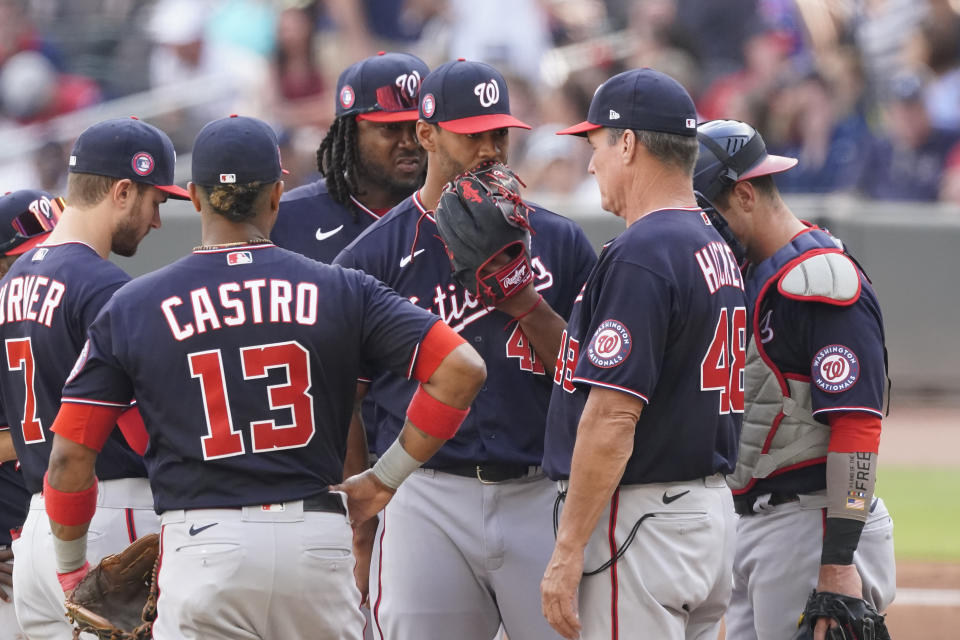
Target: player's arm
<point>603,446</point>
<point>70,486</point>
<point>357,461</point>
<point>7,452</point>
<point>451,373</point>
<point>540,323</point>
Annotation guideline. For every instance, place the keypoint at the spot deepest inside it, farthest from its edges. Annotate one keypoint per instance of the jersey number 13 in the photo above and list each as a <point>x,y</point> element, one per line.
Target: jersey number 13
<point>222,439</point>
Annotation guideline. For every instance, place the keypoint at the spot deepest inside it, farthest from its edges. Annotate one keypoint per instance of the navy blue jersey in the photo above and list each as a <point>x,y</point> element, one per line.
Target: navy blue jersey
<point>313,224</point>
<point>47,300</point>
<point>506,421</point>
<point>838,349</point>
<point>244,363</point>
<point>663,318</point>
<point>14,500</point>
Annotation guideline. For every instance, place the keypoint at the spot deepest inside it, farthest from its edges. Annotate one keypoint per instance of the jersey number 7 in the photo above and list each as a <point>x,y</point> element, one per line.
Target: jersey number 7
<point>722,366</point>
<point>20,356</point>
<point>222,439</point>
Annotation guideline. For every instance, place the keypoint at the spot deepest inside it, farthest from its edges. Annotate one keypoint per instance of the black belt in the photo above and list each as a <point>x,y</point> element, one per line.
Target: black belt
<point>743,505</point>
<point>326,502</point>
<point>489,472</point>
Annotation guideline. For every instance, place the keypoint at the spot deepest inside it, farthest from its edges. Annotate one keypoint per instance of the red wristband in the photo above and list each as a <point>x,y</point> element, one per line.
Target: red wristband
<point>70,508</point>
<point>69,581</point>
<point>433,417</point>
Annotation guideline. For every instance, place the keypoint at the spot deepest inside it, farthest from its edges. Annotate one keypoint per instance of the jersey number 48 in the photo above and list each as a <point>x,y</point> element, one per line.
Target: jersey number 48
<point>722,366</point>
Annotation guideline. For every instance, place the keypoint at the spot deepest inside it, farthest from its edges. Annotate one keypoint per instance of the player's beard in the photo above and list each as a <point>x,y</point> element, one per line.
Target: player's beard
<point>128,234</point>
<point>383,176</point>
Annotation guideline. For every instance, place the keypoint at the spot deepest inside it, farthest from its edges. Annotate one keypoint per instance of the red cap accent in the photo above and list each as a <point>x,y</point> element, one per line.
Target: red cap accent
<point>410,115</point>
<point>381,53</point>
<point>178,193</point>
<point>134,118</point>
<point>579,129</point>
<point>479,124</point>
<point>27,245</point>
<point>461,59</point>
<point>770,164</point>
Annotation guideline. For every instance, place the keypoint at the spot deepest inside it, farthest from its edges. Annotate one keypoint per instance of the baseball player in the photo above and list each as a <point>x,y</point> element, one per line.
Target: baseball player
<point>26,218</point>
<point>244,358</point>
<point>815,378</point>
<point>369,159</point>
<point>480,509</point>
<point>120,172</point>
<point>647,396</point>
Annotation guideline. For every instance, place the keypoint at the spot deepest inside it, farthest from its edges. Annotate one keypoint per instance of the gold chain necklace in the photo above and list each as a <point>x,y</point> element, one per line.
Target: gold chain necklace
<point>214,247</point>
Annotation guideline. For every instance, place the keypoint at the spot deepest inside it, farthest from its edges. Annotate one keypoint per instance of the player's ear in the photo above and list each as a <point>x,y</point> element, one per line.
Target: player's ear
<point>426,135</point>
<point>194,195</point>
<point>275,192</point>
<point>627,146</point>
<point>744,195</point>
<point>123,192</point>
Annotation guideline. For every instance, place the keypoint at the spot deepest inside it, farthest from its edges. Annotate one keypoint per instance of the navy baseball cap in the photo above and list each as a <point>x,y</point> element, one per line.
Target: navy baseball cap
<point>26,218</point>
<point>642,99</point>
<point>127,148</point>
<point>382,88</point>
<point>236,150</point>
<point>467,97</point>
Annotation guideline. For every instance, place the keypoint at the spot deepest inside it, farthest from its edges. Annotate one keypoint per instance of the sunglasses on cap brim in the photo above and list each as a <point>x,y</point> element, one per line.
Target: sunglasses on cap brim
<point>392,97</point>
<point>40,217</point>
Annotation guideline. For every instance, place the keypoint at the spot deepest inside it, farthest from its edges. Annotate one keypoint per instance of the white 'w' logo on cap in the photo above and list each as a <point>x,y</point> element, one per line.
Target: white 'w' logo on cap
<point>488,92</point>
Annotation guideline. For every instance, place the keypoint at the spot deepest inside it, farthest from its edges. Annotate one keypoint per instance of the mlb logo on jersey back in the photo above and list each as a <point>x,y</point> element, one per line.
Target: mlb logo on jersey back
<point>40,254</point>
<point>239,257</point>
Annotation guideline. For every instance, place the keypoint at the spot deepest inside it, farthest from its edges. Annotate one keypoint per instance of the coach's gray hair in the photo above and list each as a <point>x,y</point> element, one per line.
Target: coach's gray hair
<point>668,148</point>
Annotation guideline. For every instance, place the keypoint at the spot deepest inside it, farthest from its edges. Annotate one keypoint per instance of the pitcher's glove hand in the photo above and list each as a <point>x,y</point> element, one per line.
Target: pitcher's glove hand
<point>480,216</point>
<point>856,619</point>
<point>117,599</point>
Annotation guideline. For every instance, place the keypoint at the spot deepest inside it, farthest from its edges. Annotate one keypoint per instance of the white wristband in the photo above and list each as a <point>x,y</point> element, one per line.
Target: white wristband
<point>395,465</point>
<point>70,554</point>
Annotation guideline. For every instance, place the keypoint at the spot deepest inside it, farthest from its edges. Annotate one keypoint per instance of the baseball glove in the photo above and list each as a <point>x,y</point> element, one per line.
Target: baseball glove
<point>856,618</point>
<point>117,600</point>
<point>481,216</point>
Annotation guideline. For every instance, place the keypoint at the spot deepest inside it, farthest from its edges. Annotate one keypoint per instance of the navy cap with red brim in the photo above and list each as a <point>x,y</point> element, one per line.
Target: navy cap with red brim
<point>26,245</point>
<point>479,124</point>
<point>178,193</point>
<point>579,129</point>
<point>409,115</point>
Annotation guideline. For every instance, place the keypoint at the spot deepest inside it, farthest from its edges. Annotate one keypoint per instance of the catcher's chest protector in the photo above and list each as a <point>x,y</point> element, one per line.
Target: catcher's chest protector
<point>811,268</point>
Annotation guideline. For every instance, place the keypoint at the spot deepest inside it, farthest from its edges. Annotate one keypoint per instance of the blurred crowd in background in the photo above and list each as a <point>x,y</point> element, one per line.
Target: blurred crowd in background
<point>865,92</point>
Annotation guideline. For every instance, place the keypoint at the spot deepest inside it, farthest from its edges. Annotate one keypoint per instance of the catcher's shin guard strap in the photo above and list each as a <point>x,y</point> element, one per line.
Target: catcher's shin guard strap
<point>435,346</point>
<point>70,508</point>
<point>433,417</point>
<point>393,467</point>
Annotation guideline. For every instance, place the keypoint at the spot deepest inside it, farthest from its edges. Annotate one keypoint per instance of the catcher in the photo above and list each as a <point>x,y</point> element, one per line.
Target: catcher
<point>481,509</point>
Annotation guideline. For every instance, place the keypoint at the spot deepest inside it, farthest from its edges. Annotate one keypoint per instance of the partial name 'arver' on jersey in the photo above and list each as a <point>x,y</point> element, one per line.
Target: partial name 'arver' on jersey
<point>20,296</point>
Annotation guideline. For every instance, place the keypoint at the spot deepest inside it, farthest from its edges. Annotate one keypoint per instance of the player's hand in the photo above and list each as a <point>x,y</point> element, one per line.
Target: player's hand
<point>363,537</point>
<point>366,496</point>
<point>837,578</point>
<point>518,303</point>
<point>558,592</point>
<point>6,572</point>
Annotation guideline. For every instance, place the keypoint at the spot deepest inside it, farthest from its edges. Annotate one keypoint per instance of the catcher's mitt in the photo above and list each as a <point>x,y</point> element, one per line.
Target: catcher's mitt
<point>480,216</point>
<point>856,618</point>
<point>117,600</point>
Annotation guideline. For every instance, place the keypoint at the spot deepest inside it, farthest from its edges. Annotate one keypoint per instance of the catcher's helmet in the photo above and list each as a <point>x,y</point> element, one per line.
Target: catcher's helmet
<point>731,151</point>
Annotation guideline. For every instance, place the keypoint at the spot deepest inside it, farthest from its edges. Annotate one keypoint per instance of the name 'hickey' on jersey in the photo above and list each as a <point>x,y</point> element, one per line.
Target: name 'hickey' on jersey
<point>252,301</point>
<point>719,266</point>
<point>20,295</point>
